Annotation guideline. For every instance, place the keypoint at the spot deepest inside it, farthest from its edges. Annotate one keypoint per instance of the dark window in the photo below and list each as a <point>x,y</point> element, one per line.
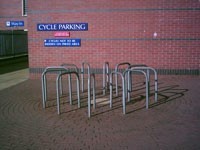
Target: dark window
<point>24,7</point>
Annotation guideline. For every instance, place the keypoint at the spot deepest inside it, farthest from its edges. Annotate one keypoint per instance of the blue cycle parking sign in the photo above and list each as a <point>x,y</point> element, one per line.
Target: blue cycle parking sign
<point>62,26</point>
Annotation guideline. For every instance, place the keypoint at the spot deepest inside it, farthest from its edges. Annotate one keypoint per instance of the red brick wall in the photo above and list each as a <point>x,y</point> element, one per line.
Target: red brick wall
<point>119,30</point>
<point>11,10</point>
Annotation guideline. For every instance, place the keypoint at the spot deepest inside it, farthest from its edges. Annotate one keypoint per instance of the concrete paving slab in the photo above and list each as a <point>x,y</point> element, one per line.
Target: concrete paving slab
<point>13,78</point>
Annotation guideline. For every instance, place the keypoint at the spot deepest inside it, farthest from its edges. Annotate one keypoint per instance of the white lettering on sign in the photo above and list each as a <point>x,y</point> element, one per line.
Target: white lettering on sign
<point>50,44</point>
<point>14,23</point>
<point>62,42</point>
<point>62,27</point>
<point>47,27</point>
<point>71,27</point>
<point>54,41</point>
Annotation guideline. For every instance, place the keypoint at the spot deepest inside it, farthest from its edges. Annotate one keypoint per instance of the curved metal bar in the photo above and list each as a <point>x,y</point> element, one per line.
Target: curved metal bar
<point>83,72</point>
<point>93,90</point>
<point>89,86</point>
<point>130,77</point>
<point>116,75</point>
<point>44,81</point>
<point>148,75</point>
<point>123,90</point>
<point>68,66</point>
<point>58,88</point>
<point>105,77</point>
<point>123,76</point>
<point>146,79</point>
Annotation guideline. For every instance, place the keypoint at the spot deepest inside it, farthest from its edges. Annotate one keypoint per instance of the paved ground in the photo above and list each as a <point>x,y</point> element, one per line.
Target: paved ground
<point>173,123</point>
<point>13,78</point>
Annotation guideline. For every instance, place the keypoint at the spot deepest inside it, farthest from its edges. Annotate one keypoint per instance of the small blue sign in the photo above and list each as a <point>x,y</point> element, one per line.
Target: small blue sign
<point>62,26</point>
<point>14,23</point>
<point>62,42</point>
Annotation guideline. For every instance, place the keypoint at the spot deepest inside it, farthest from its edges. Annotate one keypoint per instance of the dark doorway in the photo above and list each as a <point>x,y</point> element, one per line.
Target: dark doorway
<point>13,50</point>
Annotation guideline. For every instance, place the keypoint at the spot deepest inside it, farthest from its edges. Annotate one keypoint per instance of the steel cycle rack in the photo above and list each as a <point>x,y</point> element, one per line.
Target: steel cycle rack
<point>146,84</point>
<point>75,68</point>
<point>105,77</point>
<point>44,80</point>
<point>147,69</point>
<point>90,76</point>
<point>123,88</point>
<point>123,77</point>
<point>116,75</point>
<point>129,78</point>
<point>58,87</point>
<point>126,78</point>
